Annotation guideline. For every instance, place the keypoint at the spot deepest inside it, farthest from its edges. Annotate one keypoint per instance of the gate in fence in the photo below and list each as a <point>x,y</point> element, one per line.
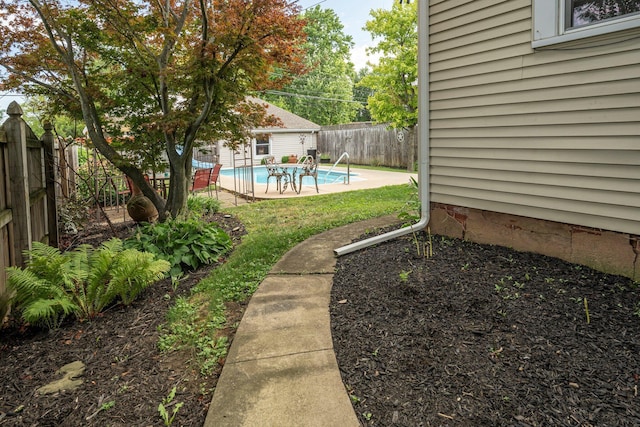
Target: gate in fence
<point>27,190</point>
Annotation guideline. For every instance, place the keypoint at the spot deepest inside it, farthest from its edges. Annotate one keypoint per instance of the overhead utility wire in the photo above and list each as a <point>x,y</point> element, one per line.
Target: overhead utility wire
<point>311,94</point>
<point>309,7</point>
<point>277,92</point>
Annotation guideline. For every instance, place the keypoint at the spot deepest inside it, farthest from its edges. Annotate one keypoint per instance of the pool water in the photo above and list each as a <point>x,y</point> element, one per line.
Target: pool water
<point>324,176</point>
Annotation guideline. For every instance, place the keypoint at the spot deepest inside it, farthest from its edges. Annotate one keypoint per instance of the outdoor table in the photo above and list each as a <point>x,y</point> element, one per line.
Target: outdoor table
<point>283,176</point>
<point>289,174</point>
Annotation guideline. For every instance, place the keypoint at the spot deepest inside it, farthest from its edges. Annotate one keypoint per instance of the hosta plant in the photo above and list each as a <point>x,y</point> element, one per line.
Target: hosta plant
<point>185,243</point>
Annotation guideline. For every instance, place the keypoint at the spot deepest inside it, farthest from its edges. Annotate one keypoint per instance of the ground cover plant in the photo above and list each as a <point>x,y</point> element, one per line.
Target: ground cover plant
<point>81,282</point>
<point>478,335</point>
<point>175,335</point>
<point>185,244</point>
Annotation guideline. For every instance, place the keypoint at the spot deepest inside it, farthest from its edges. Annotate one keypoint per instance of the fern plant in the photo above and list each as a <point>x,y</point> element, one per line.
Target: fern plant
<point>133,271</point>
<point>41,289</point>
<point>82,282</point>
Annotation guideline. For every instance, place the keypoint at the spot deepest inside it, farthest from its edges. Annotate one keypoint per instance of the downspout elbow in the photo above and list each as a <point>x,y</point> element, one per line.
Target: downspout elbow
<point>421,224</point>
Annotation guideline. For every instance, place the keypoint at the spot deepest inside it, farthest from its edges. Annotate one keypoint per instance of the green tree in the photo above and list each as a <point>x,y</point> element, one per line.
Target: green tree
<point>149,75</point>
<point>324,94</point>
<point>394,79</point>
<point>361,93</point>
<point>38,111</point>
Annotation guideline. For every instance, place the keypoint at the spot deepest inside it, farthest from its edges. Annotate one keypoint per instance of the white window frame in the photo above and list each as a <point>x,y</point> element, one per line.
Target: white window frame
<point>549,24</point>
<point>255,145</point>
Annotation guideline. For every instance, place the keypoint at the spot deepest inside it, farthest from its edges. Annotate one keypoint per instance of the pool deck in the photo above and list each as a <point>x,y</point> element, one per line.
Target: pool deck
<point>368,178</point>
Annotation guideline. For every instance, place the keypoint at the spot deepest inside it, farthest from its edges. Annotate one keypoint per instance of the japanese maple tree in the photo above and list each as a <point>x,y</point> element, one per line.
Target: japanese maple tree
<point>145,74</point>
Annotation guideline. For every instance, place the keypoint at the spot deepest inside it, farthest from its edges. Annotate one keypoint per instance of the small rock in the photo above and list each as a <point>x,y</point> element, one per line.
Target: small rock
<point>70,381</point>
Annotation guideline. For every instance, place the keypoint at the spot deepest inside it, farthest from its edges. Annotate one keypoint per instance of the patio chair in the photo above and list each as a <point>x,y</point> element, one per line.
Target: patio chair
<point>200,179</point>
<point>214,179</point>
<point>309,167</point>
<point>122,194</point>
<point>205,178</point>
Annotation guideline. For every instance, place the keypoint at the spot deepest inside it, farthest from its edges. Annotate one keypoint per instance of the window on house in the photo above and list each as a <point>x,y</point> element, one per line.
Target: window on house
<point>582,12</point>
<point>263,144</point>
<point>559,21</point>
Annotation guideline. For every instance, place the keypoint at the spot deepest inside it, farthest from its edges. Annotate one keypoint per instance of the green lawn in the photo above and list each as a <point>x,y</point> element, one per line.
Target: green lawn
<point>273,228</point>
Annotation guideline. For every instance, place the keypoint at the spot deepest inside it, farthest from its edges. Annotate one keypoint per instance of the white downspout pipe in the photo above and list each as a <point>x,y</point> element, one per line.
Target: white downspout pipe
<point>423,139</point>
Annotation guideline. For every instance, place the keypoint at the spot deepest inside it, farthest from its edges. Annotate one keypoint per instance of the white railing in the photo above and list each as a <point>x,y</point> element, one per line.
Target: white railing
<point>346,179</point>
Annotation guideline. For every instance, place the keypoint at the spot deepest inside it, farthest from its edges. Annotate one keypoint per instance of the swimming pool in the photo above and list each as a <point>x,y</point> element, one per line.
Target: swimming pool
<point>324,176</point>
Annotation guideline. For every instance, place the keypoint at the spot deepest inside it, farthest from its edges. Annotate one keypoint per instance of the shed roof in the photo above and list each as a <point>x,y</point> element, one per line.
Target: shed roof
<point>290,121</point>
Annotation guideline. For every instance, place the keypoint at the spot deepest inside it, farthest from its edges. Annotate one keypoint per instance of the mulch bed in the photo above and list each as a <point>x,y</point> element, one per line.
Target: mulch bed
<point>480,335</point>
<point>126,375</point>
<point>475,335</point>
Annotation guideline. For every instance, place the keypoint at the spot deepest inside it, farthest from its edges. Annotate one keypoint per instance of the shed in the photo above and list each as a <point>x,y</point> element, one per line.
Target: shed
<point>294,137</point>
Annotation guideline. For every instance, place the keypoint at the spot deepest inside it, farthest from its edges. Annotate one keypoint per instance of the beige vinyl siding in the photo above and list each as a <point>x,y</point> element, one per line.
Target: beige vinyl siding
<point>285,144</point>
<point>551,134</point>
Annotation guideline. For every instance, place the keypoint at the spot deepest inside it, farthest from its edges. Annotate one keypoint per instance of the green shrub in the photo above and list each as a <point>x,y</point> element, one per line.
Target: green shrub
<point>285,159</point>
<point>72,213</point>
<point>376,162</point>
<point>186,244</point>
<point>200,206</point>
<point>82,282</point>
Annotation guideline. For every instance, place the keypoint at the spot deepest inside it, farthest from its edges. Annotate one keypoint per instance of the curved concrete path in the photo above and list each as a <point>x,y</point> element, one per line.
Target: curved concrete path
<point>281,369</point>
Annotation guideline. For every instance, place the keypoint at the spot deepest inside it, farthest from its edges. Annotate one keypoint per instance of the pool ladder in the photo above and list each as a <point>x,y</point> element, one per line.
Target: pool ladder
<point>346,179</point>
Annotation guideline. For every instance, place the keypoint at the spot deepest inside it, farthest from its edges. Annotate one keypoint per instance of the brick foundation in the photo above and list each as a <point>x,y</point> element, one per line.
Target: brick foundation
<point>608,251</point>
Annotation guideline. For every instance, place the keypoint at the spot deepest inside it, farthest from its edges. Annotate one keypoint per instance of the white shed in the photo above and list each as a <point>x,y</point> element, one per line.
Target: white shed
<point>294,137</point>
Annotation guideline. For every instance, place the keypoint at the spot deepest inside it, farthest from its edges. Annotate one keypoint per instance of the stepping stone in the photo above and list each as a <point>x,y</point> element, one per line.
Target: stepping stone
<point>70,380</point>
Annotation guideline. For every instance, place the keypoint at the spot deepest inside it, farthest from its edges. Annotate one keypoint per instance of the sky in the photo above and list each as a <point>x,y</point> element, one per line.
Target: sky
<point>352,14</point>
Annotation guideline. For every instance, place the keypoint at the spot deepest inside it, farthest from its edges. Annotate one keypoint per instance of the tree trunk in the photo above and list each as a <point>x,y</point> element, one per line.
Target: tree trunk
<point>179,186</point>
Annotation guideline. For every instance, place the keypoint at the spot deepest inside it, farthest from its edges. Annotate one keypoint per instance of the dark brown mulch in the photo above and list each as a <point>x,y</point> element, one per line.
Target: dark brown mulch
<point>119,349</point>
<point>481,335</point>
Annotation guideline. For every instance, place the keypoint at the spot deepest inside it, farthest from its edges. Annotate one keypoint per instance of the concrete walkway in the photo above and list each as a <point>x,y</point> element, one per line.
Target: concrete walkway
<point>281,369</point>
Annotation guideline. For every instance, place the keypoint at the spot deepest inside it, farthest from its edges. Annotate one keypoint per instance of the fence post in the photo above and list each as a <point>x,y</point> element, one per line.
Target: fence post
<point>15,129</point>
<point>50,182</point>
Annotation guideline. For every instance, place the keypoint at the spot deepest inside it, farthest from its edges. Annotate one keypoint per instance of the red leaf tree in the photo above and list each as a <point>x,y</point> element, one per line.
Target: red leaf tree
<point>172,73</point>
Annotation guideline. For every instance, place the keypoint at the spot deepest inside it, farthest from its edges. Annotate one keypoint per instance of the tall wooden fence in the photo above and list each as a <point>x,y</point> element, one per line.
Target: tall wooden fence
<point>27,190</point>
<point>366,144</point>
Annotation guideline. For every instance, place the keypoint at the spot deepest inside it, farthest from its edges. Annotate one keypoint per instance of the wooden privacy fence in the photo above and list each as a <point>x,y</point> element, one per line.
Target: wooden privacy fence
<point>366,143</point>
<point>27,190</point>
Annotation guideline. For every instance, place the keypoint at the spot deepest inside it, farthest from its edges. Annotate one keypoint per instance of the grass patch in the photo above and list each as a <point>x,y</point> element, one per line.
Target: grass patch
<point>274,227</point>
<point>377,168</point>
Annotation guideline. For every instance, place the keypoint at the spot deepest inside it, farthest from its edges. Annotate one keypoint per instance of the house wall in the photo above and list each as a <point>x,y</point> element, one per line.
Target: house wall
<point>282,144</point>
<point>550,134</point>
<point>608,251</point>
